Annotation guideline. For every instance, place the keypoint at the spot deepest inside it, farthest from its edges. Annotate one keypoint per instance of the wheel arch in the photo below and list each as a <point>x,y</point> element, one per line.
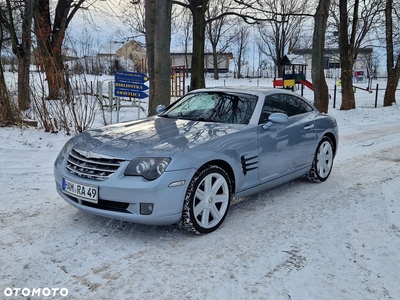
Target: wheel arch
<point>226,167</point>
<point>332,137</point>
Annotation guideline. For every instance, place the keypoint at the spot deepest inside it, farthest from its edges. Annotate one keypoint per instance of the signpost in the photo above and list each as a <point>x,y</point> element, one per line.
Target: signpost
<point>132,85</point>
<point>127,93</point>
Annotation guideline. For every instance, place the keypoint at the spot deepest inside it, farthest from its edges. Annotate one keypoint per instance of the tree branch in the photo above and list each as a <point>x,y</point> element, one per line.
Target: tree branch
<point>181,4</point>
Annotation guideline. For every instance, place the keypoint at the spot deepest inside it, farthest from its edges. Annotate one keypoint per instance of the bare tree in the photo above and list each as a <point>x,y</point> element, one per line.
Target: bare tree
<point>6,111</point>
<point>50,36</point>
<point>352,20</point>
<point>134,17</point>
<point>198,9</point>
<point>392,63</point>
<point>218,31</point>
<point>374,61</point>
<point>6,115</point>
<point>20,47</point>
<point>132,13</point>
<point>185,35</point>
<point>158,42</point>
<point>240,43</point>
<point>346,47</point>
<point>321,93</point>
<point>281,32</point>
<point>249,11</point>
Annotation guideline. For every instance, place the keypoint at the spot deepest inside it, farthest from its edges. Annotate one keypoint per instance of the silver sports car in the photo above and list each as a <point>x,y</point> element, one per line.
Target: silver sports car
<point>187,163</point>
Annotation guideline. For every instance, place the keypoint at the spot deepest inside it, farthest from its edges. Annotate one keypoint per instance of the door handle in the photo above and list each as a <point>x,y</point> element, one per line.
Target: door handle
<point>308,127</point>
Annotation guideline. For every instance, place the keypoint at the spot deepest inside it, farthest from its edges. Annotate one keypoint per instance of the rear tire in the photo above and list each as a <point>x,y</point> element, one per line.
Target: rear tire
<point>207,200</point>
<point>323,161</point>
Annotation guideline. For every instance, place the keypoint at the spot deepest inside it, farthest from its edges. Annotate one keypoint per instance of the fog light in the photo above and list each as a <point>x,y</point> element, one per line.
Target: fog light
<point>146,208</point>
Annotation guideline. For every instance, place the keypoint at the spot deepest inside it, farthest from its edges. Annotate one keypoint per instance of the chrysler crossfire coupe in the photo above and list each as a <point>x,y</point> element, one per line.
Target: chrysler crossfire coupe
<point>186,164</point>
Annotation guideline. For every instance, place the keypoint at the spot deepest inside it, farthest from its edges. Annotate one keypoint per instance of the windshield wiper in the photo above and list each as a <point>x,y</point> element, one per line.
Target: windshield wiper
<point>205,119</point>
<point>167,116</point>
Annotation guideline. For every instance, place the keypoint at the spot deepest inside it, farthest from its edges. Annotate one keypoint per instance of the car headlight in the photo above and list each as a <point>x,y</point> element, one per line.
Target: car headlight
<point>67,147</point>
<point>148,167</point>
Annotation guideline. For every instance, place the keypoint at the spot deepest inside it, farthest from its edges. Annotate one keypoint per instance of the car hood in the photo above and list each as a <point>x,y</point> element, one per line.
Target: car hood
<point>154,136</point>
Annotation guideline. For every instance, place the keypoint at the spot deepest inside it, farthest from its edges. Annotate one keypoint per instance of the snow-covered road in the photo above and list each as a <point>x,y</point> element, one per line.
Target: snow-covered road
<point>336,240</point>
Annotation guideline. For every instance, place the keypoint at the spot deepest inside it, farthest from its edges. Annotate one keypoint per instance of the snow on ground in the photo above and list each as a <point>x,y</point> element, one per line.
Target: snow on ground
<point>336,240</point>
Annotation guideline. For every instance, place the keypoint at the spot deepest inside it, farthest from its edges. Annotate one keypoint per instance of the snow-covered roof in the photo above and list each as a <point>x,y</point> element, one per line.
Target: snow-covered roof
<point>294,59</point>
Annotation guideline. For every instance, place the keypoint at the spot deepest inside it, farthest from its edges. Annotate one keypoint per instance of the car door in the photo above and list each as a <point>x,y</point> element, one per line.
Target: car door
<point>288,147</point>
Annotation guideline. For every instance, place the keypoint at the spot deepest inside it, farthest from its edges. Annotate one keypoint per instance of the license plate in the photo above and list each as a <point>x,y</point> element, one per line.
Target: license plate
<point>81,191</point>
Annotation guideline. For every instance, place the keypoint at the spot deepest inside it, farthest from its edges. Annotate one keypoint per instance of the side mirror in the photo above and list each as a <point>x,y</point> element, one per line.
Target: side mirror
<point>278,118</point>
<point>160,108</point>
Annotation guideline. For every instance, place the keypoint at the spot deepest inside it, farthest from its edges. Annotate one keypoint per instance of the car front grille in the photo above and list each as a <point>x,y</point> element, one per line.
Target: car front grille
<point>108,205</point>
<point>92,166</point>
<point>103,204</point>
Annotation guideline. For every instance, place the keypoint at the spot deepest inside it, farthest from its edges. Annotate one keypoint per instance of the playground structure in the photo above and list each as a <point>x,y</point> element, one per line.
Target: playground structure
<point>298,70</point>
<point>359,77</point>
<point>296,76</point>
<point>290,80</point>
<point>367,89</point>
<point>178,75</point>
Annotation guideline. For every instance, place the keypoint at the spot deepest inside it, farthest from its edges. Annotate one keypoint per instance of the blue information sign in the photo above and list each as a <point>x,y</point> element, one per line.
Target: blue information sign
<point>129,93</point>
<point>131,77</point>
<point>130,84</point>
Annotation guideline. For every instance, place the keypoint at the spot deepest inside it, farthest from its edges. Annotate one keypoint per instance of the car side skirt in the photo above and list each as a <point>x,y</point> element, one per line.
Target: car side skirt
<point>273,183</point>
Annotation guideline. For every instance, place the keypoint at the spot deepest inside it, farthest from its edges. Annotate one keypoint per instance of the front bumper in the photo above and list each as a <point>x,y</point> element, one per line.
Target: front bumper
<point>120,196</point>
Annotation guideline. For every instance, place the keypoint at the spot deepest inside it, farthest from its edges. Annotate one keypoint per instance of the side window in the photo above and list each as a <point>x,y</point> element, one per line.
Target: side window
<point>272,104</point>
<point>295,106</point>
<point>283,103</point>
<point>306,107</point>
<point>292,105</point>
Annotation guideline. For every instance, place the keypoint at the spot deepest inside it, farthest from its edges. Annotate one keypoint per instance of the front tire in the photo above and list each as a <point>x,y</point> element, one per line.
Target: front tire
<point>323,161</point>
<point>207,200</point>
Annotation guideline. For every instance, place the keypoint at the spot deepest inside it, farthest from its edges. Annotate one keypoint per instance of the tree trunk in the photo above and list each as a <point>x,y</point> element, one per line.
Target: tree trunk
<point>348,99</point>
<point>42,29</point>
<point>50,38</point>
<point>54,68</point>
<point>215,62</point>
<point>24,58</point>
<point>24,93</point>
<point>150,11</point>
<point>279,66</point>
<point>239,54</point>
<point>321,94</point>
<point>6,111</point>
<point>162,55</point>
<point>346,59</point>
<point>22,51</point>
<point>393,70</point>
<point>239,65</point>
<point>198,9</point>
<point>158,43</point>
<point>392,83</point>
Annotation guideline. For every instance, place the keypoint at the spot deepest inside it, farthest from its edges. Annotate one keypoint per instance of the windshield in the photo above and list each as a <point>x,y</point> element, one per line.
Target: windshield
<point>214,107</point>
